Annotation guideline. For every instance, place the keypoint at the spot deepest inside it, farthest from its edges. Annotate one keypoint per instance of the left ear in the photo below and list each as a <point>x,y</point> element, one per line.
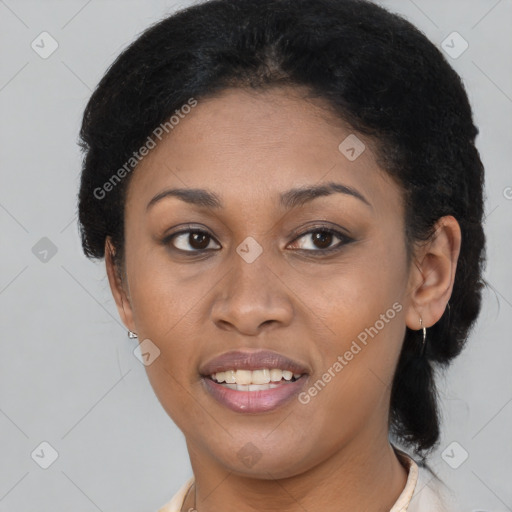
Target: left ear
<point>433,274</point>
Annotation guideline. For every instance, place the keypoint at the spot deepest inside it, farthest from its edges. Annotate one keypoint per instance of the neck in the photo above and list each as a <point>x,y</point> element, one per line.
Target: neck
<point>359,476</point>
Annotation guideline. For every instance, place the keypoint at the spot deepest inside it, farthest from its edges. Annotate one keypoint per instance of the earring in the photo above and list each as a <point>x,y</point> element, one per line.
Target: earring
<point>132,335</point>
<point>424,335</point>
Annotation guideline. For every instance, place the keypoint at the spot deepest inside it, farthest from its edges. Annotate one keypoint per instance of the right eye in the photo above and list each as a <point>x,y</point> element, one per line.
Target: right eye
<point>197,239</point>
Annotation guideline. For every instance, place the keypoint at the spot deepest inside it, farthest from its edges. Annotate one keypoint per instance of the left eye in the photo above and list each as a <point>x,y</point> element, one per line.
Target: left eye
<point>320,240</point>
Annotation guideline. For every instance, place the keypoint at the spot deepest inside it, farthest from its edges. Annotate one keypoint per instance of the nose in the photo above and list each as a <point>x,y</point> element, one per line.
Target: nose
<point>252,297</point>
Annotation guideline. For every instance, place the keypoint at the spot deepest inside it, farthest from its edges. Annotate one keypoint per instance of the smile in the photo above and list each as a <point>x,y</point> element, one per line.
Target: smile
<point>253,382</point>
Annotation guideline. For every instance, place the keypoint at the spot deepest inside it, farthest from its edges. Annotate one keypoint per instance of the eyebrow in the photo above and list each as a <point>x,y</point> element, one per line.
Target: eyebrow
<point>290,199</point>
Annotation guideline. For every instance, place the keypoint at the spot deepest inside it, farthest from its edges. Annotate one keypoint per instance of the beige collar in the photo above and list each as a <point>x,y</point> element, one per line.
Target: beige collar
<point>406,495</point>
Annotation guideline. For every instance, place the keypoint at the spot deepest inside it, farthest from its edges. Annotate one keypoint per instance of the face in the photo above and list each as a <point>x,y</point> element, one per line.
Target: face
<point>255,263</point>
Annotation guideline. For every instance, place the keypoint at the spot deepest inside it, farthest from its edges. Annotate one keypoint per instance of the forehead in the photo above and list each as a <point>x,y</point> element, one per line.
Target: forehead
<point>252,146</point>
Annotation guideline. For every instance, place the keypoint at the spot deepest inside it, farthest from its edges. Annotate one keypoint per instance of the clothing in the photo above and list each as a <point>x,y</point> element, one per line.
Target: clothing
<point>422,493</point>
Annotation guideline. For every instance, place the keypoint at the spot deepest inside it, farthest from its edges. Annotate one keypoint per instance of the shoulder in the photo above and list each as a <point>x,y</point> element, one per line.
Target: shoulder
<point>176,502</point>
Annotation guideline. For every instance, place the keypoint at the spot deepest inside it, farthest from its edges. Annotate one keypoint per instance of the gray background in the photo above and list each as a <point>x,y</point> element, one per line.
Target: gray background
<point>68,375</point>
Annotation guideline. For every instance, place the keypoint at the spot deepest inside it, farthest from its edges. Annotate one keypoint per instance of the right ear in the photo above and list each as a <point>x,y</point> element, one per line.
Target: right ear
<point>117,287</point>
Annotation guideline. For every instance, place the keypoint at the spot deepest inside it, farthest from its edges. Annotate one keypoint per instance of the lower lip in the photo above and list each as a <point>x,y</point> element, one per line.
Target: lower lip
<point>254,401</point>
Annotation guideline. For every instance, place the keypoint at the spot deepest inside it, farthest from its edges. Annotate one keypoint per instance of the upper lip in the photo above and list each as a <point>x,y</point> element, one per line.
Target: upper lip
<point>251,360</point>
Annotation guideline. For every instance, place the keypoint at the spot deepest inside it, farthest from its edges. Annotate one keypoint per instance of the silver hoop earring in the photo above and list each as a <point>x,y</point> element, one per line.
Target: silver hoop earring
<point>132,335</point>
<point>424,336</point>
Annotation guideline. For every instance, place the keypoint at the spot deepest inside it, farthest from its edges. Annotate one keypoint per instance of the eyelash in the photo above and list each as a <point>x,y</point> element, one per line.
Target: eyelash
<point>344,240</point>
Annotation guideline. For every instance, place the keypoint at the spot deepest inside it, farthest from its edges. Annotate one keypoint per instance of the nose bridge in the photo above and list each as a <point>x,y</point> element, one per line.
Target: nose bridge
<point>251,272</point>
<point>252,294</point>
<point>251,269</point>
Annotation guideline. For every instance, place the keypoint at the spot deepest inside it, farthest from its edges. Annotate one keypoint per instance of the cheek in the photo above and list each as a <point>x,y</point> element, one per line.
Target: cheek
<point>165,295</point>
<point>164,304</point>
<point>363,310</point>
<point>364,287</point>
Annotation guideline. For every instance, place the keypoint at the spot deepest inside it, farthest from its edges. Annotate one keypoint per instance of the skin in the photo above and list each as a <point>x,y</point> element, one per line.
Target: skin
<point>333,453</point>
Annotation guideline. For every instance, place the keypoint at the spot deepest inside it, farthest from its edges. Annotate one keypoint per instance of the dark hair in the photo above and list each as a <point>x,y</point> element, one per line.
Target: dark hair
<point>377,72</point>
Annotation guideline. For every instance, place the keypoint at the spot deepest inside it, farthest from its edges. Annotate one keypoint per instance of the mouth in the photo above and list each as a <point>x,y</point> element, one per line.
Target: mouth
<point>253,382</point>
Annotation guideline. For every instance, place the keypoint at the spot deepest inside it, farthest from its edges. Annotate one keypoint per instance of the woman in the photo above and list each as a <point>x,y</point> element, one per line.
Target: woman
<point>288,198</point>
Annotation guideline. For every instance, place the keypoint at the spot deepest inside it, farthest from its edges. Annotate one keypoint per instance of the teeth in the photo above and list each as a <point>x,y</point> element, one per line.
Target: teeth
<point>243,377</point>
<point>276,375</point>
<point>254,379</point>
<point>230,377</point>
<point>261,376</point>
<point>251,387</point>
